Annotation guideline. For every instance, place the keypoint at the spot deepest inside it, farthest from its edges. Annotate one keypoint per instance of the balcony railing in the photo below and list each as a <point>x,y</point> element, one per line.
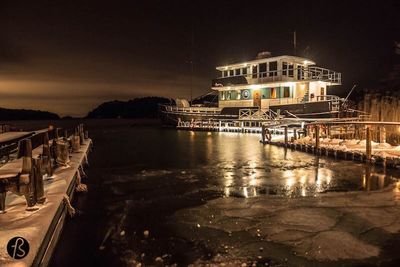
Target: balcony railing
<point>307,74</point>
<point>169,108</point>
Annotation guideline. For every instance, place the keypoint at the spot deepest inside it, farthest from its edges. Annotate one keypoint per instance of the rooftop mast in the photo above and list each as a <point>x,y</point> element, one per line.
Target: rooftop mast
<point>191,68</point>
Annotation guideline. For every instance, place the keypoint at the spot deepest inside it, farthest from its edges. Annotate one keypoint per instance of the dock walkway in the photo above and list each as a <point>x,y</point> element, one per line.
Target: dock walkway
<point>42,227</point>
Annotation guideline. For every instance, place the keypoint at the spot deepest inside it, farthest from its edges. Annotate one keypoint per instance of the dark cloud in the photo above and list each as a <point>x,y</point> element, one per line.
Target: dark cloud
<point>68,56</point>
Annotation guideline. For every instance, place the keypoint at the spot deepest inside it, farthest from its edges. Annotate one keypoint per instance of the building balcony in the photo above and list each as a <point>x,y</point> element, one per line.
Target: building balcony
<point>291,75</point>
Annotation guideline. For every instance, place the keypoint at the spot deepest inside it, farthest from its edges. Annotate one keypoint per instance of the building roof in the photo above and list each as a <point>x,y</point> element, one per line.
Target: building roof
<point>267,59</point>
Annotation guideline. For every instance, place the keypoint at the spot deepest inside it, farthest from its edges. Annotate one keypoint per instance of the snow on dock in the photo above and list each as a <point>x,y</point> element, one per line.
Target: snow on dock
<point>352,140</point>
<point>41,227</point>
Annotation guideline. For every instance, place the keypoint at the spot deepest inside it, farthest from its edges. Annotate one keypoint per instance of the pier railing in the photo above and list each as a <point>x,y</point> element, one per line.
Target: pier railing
<point>257,114</point>
<point>4,128</point>
<point>312,73</point>
<point>24,174</point>
<point>170,109</point>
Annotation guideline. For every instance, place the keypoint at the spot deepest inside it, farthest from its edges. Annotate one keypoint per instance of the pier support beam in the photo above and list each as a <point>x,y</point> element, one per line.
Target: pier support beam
<point>357,132</point>
<point>382,134</point>
<point>263,134</point>
<point>285,128</point>
<point>368,146</point>
<point>317,136</point>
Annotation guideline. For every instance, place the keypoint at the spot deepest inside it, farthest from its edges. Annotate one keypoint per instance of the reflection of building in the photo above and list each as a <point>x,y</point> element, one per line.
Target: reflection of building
<point>264,86</point>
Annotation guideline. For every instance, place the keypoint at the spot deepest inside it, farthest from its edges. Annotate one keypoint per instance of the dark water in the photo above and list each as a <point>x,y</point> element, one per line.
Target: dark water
<point>140,176</point>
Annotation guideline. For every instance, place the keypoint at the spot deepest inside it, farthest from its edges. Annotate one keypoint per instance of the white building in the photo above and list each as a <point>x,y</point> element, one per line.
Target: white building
<point>268,82</point>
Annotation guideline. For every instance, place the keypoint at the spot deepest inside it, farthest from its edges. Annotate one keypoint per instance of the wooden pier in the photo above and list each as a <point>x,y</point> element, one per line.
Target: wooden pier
<point>39,218</point>
<point>343,131</point>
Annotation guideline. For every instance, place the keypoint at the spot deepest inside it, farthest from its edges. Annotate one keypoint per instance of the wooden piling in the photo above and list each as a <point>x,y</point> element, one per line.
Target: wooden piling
<point>317,136</point>
<point>368,146</point>
<point>46,156</point>
<point>285,128</point>
<point>263,134</point>
<point>382,134</point>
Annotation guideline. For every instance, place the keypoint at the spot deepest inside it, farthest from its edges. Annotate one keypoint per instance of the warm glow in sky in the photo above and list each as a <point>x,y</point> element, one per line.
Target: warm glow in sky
<point>70,56</point>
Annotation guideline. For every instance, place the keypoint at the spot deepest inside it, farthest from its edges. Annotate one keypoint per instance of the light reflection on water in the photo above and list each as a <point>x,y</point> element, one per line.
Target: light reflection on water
<point>249,169</point>
<point>150,174</point>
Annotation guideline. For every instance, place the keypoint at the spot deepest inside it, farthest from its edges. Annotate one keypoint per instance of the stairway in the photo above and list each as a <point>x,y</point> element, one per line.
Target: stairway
<point>306,97</point>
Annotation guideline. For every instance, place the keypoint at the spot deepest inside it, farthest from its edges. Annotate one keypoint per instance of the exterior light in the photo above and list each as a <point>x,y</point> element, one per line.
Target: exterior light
<point>255,86</point>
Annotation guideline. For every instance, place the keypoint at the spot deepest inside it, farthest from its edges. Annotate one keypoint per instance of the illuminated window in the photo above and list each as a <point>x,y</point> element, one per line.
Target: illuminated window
<point>266,93</point>
<point>233,95</point>
<point>273,92</point>
<point>262,69</point>
<point>290,68</point>
<point>254,71</point>
<point>228,95</point>
<point>286,91</point>
<point>273,68</point>
<point>284,68</point>
<point>322,91</point>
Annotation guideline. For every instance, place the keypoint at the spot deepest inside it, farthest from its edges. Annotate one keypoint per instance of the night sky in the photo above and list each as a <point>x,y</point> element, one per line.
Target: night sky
<point>69,56</point>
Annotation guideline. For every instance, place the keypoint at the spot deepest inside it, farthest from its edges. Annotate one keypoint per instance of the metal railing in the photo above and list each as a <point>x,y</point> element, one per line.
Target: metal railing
<point>191,109</point>
<point>257,114</point>
<point>307,74</point>
<point>4,128</point>
<point>328,98</point>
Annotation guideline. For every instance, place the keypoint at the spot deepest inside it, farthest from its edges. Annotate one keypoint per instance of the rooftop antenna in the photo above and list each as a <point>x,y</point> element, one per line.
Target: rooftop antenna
<point>294,42</point>
<point>191,67</point>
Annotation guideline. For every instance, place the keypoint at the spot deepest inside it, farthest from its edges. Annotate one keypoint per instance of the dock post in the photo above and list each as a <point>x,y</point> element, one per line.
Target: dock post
<point>220,126</point>
<point>328,129</point>
<point>46,156</point>
<point>382,134</point>
<point>317,137</point>
<point>263,134</point>
<point>3,193</point>
<point>294,134</point>
<point>38,181</point>
<point>81,136</point>
<point>26,185</point>
<point>56,133</point>
<point>356,132</point>
<point>368,146</point>
<point>285,128</point>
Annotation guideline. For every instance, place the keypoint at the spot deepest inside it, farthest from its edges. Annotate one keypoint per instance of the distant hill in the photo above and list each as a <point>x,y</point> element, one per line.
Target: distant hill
<point>26,114</point>
<point>145,107</point>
